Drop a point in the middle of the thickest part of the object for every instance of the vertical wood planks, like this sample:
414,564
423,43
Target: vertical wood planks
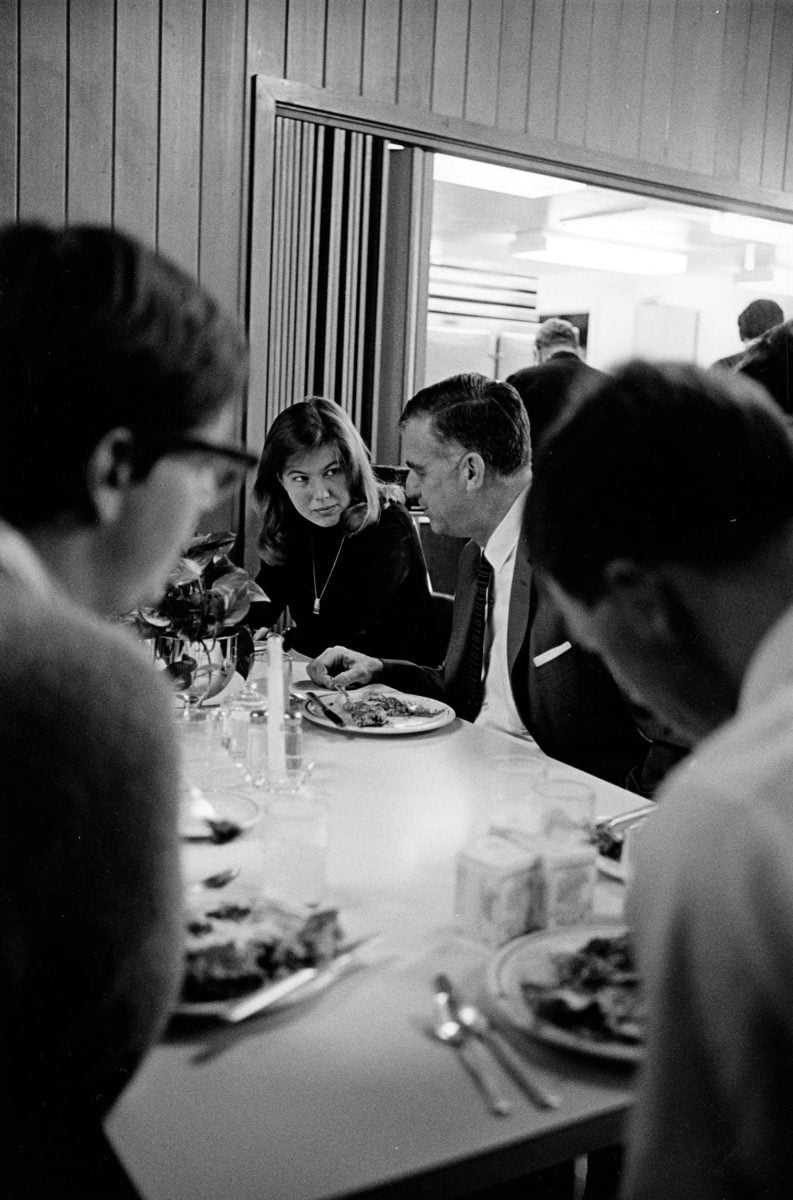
515,64
604,102
731,85
416,54
137,117
181,71
546,57
451,50
223,107
380,50
574,71
755,92
90,133
658,74
629,77
780,100
482,62
343,46
305,42
706,60
42,111
266,38
9,109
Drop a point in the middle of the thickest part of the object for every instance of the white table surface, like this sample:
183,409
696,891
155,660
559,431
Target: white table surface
347,1093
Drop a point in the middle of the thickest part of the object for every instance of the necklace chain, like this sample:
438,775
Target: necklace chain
318,596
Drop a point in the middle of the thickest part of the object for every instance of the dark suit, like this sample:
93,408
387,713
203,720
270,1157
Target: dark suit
545,389
569,704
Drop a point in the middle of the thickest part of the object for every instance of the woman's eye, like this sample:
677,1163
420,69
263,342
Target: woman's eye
331,472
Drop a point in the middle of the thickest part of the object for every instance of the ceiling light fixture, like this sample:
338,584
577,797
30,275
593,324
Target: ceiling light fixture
467,172
754,229
599,256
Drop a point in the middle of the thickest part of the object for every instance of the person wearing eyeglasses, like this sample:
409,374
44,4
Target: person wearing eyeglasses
338,550
120,377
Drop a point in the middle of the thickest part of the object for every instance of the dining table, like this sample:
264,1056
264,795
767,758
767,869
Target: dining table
346,1092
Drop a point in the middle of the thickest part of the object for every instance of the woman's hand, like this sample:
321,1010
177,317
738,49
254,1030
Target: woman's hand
338,667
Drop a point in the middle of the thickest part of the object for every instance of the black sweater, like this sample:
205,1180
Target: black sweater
377,596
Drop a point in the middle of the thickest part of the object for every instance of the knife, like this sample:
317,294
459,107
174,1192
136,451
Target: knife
327,711
271,993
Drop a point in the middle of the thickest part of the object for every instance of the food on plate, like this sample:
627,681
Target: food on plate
377,708
597,992
609,843
233,948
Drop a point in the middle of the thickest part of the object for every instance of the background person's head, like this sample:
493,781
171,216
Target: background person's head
545,392
466,441
656,506
770,362
553,336
314,468
114,364
757,317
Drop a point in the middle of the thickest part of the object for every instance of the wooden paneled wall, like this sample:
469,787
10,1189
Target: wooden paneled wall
136,111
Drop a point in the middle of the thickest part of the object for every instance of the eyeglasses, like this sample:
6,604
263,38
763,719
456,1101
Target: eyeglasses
229,464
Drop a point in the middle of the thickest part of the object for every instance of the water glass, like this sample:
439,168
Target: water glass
294,840
295,768
566,808
514,809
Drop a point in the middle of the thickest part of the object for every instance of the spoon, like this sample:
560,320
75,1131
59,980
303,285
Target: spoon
471,1018
471,1052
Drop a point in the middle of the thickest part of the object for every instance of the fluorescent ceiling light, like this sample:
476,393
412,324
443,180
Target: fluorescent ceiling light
601,256
754,229
490,178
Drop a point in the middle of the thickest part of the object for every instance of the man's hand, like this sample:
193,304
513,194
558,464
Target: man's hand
342,668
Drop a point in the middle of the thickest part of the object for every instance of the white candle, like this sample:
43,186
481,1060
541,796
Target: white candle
276,746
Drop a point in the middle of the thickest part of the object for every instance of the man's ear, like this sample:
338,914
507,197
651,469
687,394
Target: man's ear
474,467
638,594
108,474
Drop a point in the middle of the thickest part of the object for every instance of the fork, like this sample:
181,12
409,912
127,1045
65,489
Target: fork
471,1018
449,1030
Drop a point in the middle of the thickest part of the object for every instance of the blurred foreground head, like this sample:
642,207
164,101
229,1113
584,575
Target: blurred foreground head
118,375
661,512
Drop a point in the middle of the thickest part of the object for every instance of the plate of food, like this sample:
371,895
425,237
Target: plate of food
577,988
377,709
236,946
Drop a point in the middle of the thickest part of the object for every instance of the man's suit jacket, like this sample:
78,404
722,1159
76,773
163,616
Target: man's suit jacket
568,702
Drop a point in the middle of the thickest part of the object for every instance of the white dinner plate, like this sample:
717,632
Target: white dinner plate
263,912
530,959
229,806
442,714
215,1008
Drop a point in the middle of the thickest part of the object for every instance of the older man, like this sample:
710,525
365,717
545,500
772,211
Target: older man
510,664
672,556
119,376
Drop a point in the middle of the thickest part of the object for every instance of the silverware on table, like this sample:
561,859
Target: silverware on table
271,993
471,1052
470,1017
327,711
219,880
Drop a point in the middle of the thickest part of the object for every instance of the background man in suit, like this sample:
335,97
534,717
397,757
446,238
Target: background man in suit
466,442
673,558
545,389
753,322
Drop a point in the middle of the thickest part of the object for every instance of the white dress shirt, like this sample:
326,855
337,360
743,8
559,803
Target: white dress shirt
498,706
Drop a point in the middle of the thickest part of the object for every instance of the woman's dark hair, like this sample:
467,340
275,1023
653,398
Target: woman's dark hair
300,429
98,332
659,463
480,414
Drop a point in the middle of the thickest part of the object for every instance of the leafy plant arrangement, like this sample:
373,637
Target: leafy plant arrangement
206,597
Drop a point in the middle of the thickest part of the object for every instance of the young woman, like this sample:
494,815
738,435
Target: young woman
337,550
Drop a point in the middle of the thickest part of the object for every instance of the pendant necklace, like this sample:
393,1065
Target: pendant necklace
318,596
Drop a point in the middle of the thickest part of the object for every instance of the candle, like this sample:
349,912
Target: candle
276,747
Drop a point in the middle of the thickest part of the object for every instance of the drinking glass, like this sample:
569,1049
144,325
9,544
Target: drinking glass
566,808
515,810
294,840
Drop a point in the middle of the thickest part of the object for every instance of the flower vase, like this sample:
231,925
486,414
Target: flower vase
197,670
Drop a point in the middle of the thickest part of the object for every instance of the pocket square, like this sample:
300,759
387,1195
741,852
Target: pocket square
549,655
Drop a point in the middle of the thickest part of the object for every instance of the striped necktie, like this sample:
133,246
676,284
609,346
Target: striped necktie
472,688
